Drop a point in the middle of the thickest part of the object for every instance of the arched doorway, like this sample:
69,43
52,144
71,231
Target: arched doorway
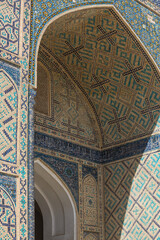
38,222
55,203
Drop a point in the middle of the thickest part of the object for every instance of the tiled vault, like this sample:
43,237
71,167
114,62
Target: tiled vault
97,123
93,55
96,118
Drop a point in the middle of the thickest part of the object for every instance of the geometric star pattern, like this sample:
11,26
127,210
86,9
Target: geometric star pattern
132,199
8,116
9,25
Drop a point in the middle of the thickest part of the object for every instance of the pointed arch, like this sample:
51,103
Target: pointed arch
107,70
57,204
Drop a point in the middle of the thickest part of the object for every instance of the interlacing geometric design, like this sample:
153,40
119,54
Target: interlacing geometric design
8,116
7,217
99,53
9,25
132,199
130,111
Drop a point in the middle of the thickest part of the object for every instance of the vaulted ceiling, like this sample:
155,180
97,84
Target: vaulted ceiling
106,88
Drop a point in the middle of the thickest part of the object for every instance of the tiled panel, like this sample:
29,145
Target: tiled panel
9,183
7,216
8,115
60,106
12,70
90,206
132,197
89,170
107,156
10,25
52,143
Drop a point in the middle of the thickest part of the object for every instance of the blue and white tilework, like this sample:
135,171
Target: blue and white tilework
86,170
8,115
132,198
143,21
7,216
10,184
10,25
106,156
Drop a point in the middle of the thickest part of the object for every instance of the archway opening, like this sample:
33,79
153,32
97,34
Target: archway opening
55,203
99,97
38,222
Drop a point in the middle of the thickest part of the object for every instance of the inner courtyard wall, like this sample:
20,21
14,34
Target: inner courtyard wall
81,169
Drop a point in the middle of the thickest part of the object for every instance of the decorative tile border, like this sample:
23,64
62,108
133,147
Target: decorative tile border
9,169
49,142
131,149
110,155
31,212
24,192
153,5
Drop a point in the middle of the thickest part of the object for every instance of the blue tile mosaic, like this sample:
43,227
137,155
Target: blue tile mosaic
8,116
8,216
10,184
65,147
10,25
131,197
133,12
105,156
131,149
31,200
12,70
86,170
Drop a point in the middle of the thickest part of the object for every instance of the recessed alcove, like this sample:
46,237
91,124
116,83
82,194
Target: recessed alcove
96,136
98,126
